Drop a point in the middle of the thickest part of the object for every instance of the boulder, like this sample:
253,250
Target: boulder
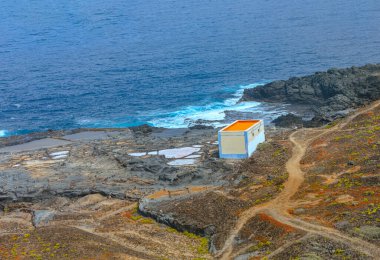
289,120
42,217
142,129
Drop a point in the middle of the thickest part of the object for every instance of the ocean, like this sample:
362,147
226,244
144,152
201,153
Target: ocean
68,64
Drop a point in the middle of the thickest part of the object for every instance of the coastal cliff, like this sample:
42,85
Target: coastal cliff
327,93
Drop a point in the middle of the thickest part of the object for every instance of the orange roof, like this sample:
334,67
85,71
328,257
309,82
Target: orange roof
241,125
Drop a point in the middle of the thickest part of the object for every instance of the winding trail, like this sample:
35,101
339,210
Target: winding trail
279,206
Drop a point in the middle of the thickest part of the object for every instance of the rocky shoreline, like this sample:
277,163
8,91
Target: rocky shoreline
330,95
128,152
108,185
123,163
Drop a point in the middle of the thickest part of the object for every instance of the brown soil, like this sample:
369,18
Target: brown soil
306,193
94,227
279,207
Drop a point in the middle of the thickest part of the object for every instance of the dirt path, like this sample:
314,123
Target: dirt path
330,233
279,206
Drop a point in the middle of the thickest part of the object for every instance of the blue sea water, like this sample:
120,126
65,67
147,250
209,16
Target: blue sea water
76,63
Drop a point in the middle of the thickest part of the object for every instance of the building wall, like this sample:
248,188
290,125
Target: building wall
232,144
255,131
252,145
238,145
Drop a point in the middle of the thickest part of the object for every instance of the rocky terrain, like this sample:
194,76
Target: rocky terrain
73,194
330,94
112,163
345,183
150,193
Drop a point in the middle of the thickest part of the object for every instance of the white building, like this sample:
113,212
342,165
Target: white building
240,139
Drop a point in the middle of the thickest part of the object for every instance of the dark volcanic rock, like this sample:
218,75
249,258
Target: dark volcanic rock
196,213
291,120
143,129
20,139
105,166
326,92
197,127
317,121
288,120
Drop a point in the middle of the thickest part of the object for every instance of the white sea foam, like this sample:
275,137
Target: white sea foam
213,112
93,122
3,133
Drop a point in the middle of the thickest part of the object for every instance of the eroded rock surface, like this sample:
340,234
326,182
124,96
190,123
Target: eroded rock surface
123,164
332,93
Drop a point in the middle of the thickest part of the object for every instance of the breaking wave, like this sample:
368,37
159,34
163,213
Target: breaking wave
211,114
3,133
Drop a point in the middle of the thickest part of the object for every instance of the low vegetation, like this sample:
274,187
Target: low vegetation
342,171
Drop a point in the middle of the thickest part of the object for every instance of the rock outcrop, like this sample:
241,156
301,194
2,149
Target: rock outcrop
328,93
291,120
288,120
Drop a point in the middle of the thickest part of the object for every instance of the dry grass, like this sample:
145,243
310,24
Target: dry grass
345,164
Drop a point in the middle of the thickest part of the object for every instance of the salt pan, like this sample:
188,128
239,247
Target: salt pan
137,154
59,153
181,162
193,156
59,157
178,152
